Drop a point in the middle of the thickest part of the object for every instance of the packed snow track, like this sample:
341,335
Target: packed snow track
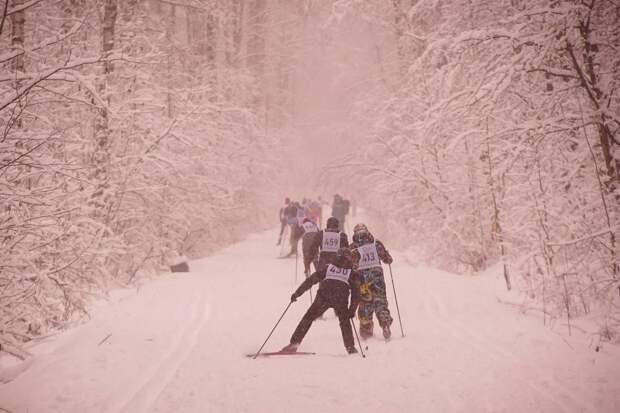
178,344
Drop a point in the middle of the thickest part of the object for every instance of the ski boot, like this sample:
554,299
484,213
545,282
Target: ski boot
386,332
351,350
291,348
365,332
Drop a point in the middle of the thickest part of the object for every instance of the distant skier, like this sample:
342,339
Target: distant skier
340,209
367,256
315,212
295,214
311,230
327,242
335,283
283,219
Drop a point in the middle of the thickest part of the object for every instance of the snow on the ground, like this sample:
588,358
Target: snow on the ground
178,344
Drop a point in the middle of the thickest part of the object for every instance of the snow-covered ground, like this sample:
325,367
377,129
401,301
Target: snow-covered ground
178,344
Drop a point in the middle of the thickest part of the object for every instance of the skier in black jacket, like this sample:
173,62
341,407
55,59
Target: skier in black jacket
340,208
311,230
335,282
283,218
326,243
294,215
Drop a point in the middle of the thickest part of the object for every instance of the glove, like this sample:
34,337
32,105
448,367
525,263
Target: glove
293,298
351,313
389,260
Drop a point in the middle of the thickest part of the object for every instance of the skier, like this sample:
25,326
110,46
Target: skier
367,256
283,219
327,242
295,214
335,282
340,208
311,230
314,212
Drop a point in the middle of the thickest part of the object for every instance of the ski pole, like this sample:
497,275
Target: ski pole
396,300
359,343
272,330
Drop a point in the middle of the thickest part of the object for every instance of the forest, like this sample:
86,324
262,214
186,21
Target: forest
475,133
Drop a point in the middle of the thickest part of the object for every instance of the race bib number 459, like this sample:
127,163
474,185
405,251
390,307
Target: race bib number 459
331,241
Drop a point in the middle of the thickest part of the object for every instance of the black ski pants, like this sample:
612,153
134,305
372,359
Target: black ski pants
325,299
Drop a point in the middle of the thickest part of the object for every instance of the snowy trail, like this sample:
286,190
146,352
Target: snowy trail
178,345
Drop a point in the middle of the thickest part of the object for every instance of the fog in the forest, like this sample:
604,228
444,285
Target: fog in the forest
336,59
474,135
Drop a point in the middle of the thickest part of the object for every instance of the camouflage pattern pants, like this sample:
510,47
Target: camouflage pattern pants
373,300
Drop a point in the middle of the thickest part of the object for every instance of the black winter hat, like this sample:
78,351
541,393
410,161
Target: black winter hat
332,223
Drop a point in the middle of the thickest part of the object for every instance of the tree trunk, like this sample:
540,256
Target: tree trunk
169,38
101,155
238,10
590,83
18,20
255,58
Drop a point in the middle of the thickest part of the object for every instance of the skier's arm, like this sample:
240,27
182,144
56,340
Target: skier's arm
355,255
384,255
344,241
308,282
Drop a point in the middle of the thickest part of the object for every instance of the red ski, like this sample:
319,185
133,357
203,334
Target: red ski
282,353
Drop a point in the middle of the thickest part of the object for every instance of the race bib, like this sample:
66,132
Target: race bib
369,257
310,227
337,273
331,241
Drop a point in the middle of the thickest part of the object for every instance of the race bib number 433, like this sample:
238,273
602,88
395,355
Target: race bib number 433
369,257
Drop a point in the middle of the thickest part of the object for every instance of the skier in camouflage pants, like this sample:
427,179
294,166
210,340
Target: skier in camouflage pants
367,256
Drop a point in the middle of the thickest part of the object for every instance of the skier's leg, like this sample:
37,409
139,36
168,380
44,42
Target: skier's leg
345,324
366,306
317,308
293,240
282,227
364,313
380,301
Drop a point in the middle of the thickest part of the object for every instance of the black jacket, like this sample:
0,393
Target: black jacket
290,212
333,289
324,256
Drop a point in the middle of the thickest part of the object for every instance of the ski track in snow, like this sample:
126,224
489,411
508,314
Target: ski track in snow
179,345
486,348
162,373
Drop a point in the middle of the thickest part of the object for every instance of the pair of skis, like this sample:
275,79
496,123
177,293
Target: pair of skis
281,353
